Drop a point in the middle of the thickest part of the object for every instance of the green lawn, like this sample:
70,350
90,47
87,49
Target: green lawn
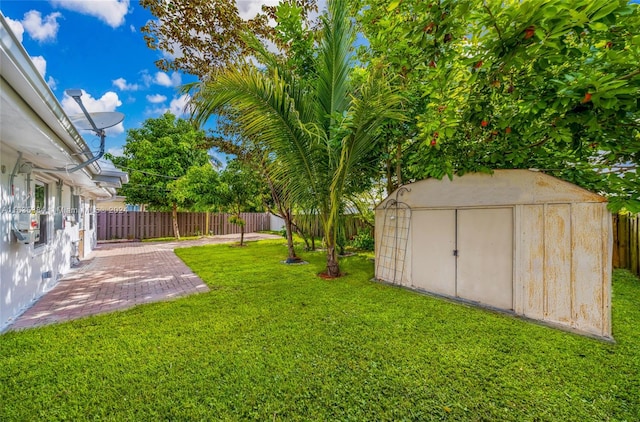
275,342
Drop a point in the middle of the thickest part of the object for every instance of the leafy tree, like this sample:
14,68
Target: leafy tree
159,152
200,36
320,132
198,189
546,84
240,190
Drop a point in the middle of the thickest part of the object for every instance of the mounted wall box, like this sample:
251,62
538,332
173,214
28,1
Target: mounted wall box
28,227
517,240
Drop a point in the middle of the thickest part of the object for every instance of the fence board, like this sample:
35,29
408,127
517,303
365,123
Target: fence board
153,224
627,242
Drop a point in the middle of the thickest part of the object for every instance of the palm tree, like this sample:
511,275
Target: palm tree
319,133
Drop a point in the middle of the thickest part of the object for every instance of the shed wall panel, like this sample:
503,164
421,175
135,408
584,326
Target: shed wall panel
433,242
557,272
587,266
531,253
606,232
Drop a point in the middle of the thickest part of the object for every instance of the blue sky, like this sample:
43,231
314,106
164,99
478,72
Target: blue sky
97,46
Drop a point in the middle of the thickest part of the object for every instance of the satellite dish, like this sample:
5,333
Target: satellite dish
102,120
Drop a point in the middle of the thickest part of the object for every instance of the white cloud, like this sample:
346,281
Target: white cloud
111,12
122,85
16,28
164,79
176,106
248,9
53,84
116,152
41,65
132,28
108,102
41,29
156,98
179,104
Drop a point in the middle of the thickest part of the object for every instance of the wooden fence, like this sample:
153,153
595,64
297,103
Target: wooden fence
310,225
148,225
626,242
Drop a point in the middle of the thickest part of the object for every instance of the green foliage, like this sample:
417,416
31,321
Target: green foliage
271,341
155,155
363,241
198,189
241,189
322,133
208,35
238,221
547,84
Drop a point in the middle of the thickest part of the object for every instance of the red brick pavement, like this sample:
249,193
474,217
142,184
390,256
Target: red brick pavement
118,276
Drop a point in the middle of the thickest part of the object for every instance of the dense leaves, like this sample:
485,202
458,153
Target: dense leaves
200,36
493,84
156,154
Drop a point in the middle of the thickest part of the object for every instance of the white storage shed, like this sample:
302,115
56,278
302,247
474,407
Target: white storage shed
516,240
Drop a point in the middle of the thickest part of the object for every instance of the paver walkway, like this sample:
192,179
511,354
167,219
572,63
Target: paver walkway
119,276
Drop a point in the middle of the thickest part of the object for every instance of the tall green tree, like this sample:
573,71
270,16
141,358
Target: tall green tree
154,155
546,84
201,36
321,134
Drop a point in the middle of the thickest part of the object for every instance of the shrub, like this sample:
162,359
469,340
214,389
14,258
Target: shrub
363,241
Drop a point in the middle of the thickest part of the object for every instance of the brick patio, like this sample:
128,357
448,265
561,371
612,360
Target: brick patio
119,276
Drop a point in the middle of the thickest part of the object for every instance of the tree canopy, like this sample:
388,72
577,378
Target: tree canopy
201,36
154,155
515,84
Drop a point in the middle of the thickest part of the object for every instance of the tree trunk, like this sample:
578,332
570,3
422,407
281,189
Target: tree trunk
398,164
285,213
242,235
174,218
291,253
333,269
330,235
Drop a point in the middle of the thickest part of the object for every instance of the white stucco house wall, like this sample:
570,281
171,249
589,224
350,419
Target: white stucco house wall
47,218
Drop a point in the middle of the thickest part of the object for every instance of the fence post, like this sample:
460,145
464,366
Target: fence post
615,261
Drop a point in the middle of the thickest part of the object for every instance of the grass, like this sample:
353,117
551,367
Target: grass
274,342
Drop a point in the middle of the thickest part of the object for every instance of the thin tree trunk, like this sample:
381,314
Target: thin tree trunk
291,258
241,234
330,228
333,268
390,186
398,163
286,216
174,218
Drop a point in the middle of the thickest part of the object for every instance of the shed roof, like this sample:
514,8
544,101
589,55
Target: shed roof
503,187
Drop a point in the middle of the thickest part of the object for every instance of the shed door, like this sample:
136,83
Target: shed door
485,256
464,253
433,266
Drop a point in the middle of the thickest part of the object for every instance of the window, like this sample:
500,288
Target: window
42,216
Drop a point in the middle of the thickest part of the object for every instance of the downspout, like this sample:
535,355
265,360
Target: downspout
19,236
